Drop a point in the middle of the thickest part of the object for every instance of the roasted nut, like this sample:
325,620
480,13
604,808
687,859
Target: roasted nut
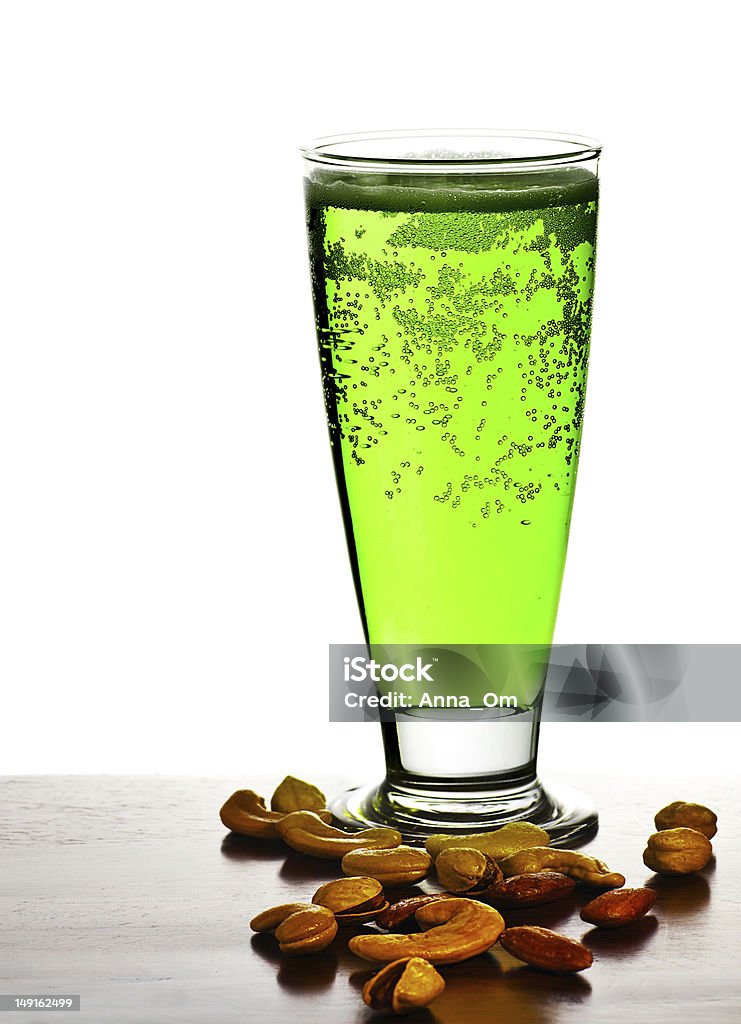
296,795
687,815
518,835
467,871
547,950
403,911
458,929
677,851
401,866
245,812
268,920
583,869
306,832
619,907
300,928
352,900
403,986
531,890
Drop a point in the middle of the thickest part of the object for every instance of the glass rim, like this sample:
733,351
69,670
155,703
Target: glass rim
549,149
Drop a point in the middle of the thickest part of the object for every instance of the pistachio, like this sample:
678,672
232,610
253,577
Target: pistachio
403,986
296,795
576,865
245,812
352,900
472,872
401,866
300,928
306,832
457,929
518,835
687,815
677,851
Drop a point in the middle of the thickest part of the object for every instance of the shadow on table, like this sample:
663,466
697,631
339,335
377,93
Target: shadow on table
237,847
680,895
494,986
606,941
297,973
297,867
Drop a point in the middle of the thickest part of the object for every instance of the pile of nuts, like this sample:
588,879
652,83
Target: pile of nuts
481,874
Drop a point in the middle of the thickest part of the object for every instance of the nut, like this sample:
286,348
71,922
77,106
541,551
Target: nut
576,865
245,812
403,986
401,866
467,871
352,900
300,928
547,950
531,890
296,795
458,929
619,907
306,832
403,911
677,851
687,815
518,835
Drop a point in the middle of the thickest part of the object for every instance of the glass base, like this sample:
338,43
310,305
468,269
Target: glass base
569,817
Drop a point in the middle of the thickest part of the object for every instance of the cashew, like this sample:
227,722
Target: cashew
458,930
576,865
300,928
306,832
402,865
245,812
518,835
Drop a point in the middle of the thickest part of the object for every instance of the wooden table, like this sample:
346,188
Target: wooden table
128,891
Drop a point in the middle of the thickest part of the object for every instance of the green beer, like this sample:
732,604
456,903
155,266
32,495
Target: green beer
453,317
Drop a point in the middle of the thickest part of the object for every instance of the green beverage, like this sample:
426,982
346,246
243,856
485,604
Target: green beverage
453,316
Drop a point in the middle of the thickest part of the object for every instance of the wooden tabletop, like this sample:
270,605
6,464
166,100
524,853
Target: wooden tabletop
128,891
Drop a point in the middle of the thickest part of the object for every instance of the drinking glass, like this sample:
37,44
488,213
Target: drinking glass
452,276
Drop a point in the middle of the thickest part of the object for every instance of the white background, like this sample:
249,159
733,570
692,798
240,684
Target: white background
171,557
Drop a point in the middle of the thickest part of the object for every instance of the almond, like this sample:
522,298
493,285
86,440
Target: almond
531,890
547,950
618,907
403,911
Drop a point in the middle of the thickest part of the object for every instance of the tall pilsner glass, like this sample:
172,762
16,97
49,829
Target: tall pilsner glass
452,276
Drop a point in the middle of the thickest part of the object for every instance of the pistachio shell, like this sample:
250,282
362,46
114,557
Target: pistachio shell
300,928
462,870
352,900
296,795
403,986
